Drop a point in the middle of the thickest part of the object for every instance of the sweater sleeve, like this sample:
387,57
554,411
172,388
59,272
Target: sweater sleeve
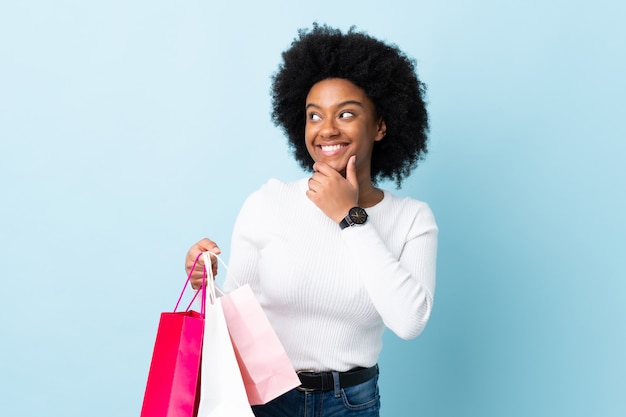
244,250
401,287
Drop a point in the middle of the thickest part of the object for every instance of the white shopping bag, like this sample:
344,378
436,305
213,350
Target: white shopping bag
222,392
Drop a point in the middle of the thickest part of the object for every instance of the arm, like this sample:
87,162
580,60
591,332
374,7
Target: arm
400,280
244,252
401,285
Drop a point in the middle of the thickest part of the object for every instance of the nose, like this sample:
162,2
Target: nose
328,128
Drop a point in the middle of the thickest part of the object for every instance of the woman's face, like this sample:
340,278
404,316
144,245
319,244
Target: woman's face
341,121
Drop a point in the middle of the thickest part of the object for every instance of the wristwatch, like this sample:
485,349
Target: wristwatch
356,215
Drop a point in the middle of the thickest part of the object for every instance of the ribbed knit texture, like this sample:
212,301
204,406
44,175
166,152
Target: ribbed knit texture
329,293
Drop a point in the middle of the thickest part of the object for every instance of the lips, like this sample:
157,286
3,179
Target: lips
330,150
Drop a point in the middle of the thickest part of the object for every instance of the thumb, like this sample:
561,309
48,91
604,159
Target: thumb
351,172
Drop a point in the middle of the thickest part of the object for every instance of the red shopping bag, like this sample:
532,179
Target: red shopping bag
173,379
266,370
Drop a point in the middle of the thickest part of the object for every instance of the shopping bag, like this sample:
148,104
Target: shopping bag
172,386
222,393
266,370
265,367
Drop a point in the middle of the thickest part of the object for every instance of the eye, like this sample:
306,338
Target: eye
346,114
314,117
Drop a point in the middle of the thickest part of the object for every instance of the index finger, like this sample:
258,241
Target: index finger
207,245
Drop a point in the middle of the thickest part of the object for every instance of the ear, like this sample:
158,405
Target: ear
382,130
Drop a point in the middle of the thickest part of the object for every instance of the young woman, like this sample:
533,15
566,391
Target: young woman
332,258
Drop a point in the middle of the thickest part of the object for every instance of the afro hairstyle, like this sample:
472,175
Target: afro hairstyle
385,73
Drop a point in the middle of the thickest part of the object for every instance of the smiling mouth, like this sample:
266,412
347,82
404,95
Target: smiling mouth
332,148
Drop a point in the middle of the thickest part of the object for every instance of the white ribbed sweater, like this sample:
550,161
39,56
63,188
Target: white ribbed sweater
329,293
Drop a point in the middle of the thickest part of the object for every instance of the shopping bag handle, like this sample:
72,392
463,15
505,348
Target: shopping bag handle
209,287
202,288
218,289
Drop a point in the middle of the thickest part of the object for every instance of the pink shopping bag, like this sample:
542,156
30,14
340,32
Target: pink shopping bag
173,379
266,370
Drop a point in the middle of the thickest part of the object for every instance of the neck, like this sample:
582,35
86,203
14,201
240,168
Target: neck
369,195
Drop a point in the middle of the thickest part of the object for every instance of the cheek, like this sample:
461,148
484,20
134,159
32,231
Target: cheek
309,135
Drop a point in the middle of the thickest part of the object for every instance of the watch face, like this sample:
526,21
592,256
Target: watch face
358,215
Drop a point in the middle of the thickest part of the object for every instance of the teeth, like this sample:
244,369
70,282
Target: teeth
331,148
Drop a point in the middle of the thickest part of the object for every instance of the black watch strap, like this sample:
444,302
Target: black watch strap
345,222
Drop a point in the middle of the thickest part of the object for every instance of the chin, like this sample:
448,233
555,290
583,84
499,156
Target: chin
339,167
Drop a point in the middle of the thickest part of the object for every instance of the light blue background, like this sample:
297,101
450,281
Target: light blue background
129,130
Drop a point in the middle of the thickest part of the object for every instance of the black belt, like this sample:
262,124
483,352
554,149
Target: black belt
323,381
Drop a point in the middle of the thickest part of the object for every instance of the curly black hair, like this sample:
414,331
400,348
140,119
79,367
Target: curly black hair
385,73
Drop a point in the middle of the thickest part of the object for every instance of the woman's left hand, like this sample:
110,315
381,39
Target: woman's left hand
333,193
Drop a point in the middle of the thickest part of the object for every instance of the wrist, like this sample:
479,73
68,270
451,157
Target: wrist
338,219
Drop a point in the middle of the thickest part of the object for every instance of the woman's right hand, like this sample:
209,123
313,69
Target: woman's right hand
204,245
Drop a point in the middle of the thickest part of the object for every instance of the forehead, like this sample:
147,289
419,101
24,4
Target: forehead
336,90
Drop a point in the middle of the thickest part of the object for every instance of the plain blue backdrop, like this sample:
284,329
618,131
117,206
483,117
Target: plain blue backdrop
129,130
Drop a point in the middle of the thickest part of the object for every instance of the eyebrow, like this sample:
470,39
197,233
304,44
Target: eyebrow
342,104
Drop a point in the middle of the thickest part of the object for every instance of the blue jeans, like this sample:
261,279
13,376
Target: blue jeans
360,400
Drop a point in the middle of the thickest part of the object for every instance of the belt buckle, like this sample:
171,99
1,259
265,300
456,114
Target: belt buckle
300,387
